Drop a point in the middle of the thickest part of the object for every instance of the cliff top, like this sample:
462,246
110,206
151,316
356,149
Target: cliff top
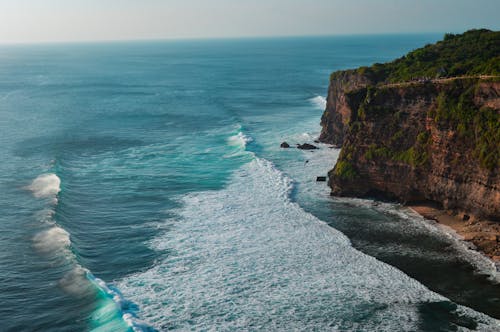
473,53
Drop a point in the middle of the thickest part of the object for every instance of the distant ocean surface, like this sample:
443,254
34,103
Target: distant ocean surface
143,189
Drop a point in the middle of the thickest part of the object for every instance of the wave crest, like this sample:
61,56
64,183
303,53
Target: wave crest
319,102
239,140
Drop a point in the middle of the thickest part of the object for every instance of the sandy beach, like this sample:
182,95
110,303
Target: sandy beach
484,234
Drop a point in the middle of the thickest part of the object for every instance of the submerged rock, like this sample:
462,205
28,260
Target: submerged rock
284,145
306,146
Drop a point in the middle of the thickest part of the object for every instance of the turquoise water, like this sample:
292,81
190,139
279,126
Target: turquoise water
143,188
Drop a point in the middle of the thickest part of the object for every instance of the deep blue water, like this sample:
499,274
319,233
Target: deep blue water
143,188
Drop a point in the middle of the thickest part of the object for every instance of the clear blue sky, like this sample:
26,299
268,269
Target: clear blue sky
78,20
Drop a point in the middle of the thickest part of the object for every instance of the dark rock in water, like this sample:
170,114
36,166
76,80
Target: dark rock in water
306,146
321,179
284,145
316,141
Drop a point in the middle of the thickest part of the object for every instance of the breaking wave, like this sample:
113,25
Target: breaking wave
114,312
238,143
319,102
246,256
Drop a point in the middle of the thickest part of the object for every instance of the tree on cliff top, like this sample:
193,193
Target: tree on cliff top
475,52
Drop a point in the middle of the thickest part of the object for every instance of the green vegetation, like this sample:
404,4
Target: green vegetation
375,151
455,106
487,134
471,54
397,137
475,52
477,128
416,155
480,127
345,170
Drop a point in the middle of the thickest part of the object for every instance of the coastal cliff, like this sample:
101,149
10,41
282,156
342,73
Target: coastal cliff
421,140
337,116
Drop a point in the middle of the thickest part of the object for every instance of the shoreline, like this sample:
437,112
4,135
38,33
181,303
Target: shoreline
484,235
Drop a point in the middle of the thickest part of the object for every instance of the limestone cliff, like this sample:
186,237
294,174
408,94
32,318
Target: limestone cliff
424,127
434,140
337,115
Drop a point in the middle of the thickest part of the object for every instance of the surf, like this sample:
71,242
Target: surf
247,255
114,313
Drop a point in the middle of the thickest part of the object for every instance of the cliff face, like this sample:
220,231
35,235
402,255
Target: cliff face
421,141
338,114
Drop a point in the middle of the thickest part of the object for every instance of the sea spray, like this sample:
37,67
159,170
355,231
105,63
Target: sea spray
55,243
45,186
238,143
319,102
54,240
76,283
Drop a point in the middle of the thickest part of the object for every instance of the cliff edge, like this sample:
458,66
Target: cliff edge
424,128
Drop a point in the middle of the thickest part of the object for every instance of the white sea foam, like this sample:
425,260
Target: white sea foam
114,311
240,140
46,186
54,241
319,102
246,256
324,159
239,143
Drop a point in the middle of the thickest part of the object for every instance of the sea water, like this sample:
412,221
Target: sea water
143,189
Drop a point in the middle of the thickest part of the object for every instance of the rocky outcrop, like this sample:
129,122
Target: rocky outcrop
306,146
417,141
337,115
284,145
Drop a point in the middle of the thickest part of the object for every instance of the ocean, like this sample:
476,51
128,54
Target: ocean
144,189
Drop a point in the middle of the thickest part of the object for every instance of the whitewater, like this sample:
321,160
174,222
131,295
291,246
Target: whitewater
248,258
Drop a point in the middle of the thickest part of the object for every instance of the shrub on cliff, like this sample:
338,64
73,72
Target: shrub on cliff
477,126
345,170
475,52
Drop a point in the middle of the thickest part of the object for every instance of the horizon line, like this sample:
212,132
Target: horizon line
245,37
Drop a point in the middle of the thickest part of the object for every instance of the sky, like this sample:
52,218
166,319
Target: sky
26,21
